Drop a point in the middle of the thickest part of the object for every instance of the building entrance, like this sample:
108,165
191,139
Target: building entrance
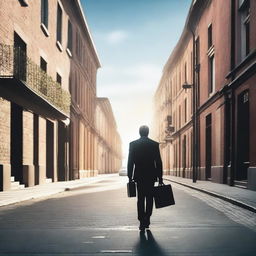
243,137
184,156
16,142
49,149
208,146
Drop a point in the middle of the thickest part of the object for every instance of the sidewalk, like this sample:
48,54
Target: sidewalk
17,196
242,197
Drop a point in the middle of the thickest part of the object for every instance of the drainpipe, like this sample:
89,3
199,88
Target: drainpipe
232,101
194,119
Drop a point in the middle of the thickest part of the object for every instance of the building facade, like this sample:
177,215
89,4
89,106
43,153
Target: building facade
84,63
109,152
35,99
208,80
48,68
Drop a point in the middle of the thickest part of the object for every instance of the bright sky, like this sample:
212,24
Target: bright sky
134,39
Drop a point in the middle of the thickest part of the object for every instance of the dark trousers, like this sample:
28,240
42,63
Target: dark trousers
145,195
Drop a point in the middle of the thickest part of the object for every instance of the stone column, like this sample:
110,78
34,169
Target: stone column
81,149
5,151
28,146
42,150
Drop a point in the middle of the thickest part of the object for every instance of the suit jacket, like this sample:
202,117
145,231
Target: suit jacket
144,160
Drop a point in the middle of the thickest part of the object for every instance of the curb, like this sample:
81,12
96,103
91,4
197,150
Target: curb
225,198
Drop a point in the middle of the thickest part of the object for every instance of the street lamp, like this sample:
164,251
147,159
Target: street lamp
190,86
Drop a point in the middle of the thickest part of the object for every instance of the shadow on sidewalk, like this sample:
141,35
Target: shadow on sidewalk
147,245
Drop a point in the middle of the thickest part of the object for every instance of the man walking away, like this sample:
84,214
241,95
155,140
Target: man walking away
144,167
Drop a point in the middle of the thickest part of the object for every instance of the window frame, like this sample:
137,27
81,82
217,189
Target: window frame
59,35
70,39
212,75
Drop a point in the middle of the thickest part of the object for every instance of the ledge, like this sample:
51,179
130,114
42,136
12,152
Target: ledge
59,46
69,53
45,30
15,90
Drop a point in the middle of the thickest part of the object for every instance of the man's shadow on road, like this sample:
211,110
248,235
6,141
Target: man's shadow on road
147,245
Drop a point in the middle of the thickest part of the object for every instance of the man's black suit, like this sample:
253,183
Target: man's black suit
144,167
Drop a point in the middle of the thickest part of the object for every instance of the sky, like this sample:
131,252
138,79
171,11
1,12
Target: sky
134,39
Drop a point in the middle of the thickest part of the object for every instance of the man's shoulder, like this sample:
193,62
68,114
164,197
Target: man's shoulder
153,142
133,142
148,140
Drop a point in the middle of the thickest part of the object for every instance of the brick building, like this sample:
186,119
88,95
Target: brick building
207,83
109,152
48,67
84,63
34,83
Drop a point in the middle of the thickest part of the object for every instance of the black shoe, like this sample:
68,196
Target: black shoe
142,228
146,223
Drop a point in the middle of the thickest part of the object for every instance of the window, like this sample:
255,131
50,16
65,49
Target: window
185,110
43,64
211,74
70,36
59,24
20,57
23,3
43,76
197,54
44,13
179,117
245,28
210,36
58,78
185,72
79,46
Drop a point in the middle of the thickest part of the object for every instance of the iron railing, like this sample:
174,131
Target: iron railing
15,63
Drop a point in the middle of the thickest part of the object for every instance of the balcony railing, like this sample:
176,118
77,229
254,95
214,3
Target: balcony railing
15,64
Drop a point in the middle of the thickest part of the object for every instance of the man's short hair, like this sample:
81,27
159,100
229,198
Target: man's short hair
144,130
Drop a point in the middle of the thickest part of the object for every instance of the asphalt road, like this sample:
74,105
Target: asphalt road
101,220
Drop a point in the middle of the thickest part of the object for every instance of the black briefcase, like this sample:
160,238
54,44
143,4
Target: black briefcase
131,189
163,196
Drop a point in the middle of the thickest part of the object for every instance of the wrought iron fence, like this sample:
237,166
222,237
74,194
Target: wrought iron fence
15,63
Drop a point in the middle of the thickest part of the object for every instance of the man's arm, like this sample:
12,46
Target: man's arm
159,165
130,162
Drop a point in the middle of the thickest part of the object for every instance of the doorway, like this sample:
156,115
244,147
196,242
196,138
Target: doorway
49,149
20,58
184,156
16,142
63,172
243,137
208,146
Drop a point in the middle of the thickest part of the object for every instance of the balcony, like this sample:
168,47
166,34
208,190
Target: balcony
25,83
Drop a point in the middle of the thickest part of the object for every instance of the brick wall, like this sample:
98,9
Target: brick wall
4,131
27,138
25,21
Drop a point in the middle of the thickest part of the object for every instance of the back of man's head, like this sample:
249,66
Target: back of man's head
144,130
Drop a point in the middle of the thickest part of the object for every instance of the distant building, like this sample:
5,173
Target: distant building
109,152
207,94
84,63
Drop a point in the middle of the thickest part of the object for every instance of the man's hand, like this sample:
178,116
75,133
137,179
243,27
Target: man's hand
160,182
